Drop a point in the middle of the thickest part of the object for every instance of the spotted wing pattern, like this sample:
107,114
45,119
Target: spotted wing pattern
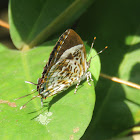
66,72
66,65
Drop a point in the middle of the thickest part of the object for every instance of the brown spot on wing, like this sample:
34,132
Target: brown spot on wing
70,56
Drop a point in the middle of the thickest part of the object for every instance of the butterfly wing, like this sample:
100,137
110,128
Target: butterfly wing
70,67
66,41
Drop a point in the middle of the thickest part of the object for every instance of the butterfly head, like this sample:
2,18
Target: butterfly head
40,88
40,80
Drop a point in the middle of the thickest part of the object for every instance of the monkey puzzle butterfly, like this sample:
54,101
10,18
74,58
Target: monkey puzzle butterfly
67,65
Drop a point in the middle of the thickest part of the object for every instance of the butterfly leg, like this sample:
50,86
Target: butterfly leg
41,102
88,74
77,86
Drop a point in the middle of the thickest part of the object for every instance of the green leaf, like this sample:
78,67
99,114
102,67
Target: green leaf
32,22
64,116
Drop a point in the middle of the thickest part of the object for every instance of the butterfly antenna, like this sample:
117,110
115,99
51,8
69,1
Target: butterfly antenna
27,102
26,95
30,83
96,55
92,46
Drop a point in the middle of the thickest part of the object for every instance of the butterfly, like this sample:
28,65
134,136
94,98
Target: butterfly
67,66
